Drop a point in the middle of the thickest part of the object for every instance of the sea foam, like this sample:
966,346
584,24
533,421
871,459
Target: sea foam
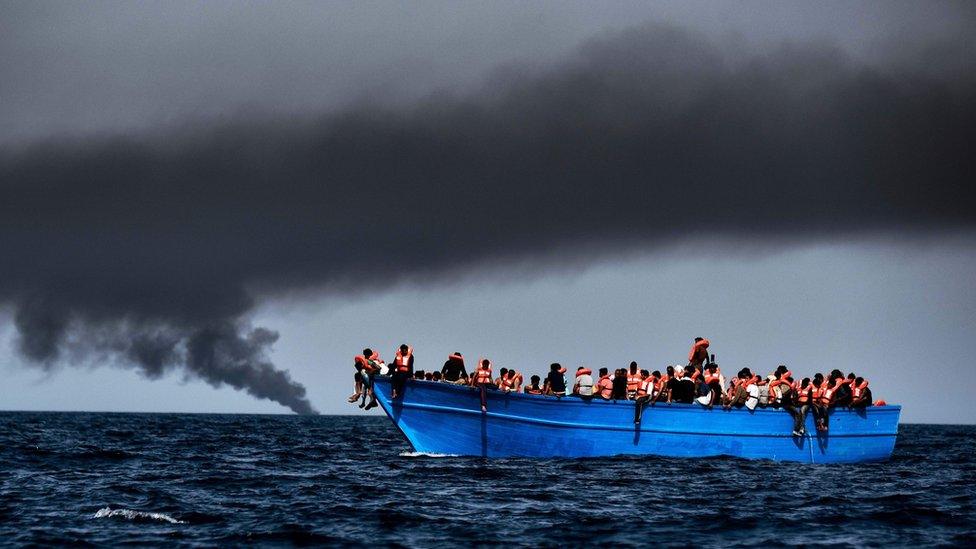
129,514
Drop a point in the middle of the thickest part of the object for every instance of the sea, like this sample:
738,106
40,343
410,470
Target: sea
176,480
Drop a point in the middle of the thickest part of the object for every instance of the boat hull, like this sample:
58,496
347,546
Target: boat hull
443,418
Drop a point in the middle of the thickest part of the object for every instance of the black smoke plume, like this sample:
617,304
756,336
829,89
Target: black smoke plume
152,249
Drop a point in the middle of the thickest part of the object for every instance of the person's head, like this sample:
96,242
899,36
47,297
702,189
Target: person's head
603,372
502,372
670,371
554,367
853,377
689,370
835,374
633,367
437,376
367,352
781,369
858,380
712,367
534,380
419,374
404,348
429,376
458,354
511,374
644,373
805,382
679,372
486,364
697,339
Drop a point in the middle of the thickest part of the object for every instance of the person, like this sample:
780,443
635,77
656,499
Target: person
454,368
633,381
419,375
402,370
713,383
682,388
699,353
481,379
861,394
500,383
802,396
583,387
464,379
369,365
514,380
645,391
619,384
660,385
438,376
555,380
533,387
738,390
844,393
605,385
819,402
779,387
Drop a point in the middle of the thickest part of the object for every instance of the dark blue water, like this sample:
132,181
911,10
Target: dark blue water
204,480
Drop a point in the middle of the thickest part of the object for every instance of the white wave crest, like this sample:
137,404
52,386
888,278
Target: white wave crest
129,514
426,454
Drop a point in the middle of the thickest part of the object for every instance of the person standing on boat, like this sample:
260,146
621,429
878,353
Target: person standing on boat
481,380
402,370
453,369
698,355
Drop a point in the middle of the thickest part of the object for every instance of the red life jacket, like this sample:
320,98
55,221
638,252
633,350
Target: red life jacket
402,361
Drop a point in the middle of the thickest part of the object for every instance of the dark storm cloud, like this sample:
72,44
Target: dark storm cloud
159,242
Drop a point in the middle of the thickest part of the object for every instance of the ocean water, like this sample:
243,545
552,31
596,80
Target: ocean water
206,480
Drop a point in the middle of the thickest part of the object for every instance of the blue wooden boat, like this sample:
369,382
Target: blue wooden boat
442,418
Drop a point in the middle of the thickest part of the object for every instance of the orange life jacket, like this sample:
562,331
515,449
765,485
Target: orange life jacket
880,403
482,375
803,394
663,382
366,362
633,382
584,372
530,390
699,352
606,389
857,391
402,361
713,378
647,385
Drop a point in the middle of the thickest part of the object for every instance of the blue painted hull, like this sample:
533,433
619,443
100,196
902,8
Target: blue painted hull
446,419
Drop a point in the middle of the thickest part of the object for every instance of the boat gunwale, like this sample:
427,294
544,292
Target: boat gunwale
577,400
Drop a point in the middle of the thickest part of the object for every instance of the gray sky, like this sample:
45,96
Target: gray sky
831,140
